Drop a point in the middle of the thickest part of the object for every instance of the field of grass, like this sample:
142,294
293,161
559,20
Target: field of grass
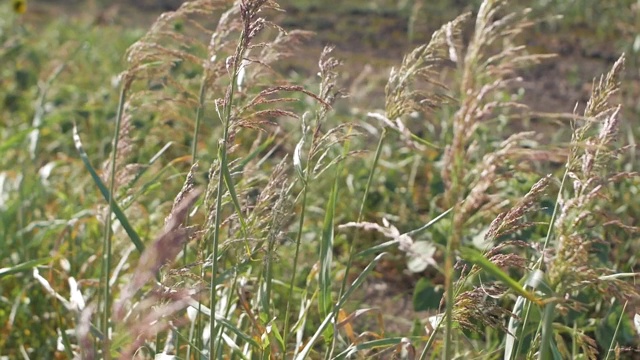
220,184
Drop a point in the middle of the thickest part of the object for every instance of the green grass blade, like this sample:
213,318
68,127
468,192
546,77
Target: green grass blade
225,323
359,280
326,250
352,246
535,282
376,249
477,258
547,332
430,223
252,155
14,140
228,181
373,344
66,343
25,266
615,333
298,240
243,336
327,320
303,177
133,235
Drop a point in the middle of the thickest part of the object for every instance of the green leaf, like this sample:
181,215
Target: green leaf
426,296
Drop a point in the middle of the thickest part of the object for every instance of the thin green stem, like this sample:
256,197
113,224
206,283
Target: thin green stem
352,246
194,157
553,218
440,321
538,264
615,333
219,328
106,243
222,160
332,202
305,189
295,259
367,187
448,272
432,338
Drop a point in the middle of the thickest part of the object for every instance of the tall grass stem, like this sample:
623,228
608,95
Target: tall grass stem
106,243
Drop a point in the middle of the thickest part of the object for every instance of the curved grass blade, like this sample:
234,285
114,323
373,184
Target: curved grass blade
373,344
25,266
391,243
375,249
145,168
326,244
534,282
477,258
252,155
224,322
430,223
228,181
133,235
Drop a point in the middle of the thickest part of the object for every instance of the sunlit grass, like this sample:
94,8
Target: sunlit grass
165,194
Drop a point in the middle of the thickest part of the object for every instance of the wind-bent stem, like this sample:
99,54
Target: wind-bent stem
106,242
222,159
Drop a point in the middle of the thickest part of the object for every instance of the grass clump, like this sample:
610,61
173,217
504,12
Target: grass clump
230,226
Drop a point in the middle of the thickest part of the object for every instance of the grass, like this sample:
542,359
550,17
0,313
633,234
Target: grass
196,202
